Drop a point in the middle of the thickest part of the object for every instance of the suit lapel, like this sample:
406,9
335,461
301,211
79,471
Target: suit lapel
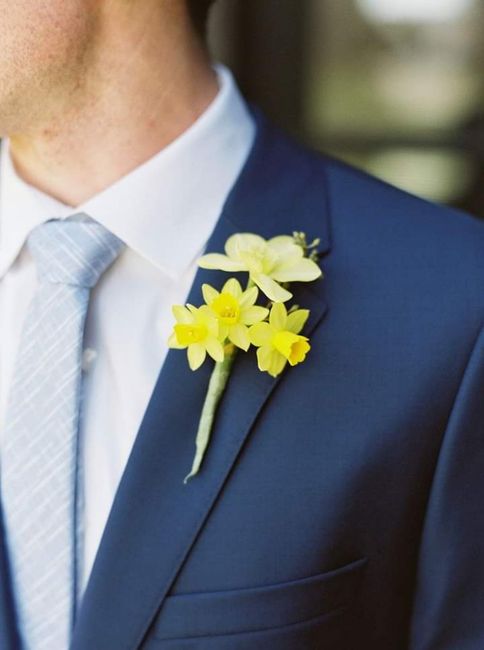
8,633
155,517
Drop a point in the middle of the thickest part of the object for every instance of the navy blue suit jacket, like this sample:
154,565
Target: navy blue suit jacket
339,506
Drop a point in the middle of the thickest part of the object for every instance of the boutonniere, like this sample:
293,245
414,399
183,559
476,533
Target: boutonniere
230,320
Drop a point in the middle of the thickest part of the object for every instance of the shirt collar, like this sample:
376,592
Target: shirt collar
167,207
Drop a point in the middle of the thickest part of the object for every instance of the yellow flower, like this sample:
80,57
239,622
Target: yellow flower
268,262
279,341
197,330
234,310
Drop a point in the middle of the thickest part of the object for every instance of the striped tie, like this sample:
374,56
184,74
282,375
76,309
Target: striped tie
39,468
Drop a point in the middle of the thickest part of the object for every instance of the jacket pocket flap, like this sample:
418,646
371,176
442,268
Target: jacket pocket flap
256,608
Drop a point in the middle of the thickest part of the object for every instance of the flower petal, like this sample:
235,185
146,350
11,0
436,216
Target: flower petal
220,262
196,355
288,261
209,293
215,348
264,356
261,334
193,310
269,360
206,316
244,241
283,244
252,315
182,314
249,297
296,320
239,335
173,342
304,270
233,287
223,331
278,363
270,288
278,316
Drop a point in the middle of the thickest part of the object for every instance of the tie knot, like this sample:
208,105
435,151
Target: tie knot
73,252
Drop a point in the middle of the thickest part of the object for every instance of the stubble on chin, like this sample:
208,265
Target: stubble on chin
40,83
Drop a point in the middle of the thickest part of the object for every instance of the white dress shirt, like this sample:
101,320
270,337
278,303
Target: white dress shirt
164,210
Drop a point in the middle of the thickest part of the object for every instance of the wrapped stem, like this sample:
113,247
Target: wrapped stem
216,387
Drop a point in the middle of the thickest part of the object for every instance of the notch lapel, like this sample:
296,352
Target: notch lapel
8,633
155,517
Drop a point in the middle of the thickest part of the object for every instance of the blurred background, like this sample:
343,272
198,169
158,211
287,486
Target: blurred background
395,87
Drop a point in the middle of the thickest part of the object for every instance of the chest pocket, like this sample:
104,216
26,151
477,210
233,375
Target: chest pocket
205,615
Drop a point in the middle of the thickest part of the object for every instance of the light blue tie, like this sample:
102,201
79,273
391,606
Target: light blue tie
39,466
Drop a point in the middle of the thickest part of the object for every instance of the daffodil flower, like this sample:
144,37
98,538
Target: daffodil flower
268,262
279,341
197,330
230,319
234,310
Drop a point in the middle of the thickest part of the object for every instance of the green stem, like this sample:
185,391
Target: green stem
216,387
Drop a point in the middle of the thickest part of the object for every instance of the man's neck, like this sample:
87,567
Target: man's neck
137,98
